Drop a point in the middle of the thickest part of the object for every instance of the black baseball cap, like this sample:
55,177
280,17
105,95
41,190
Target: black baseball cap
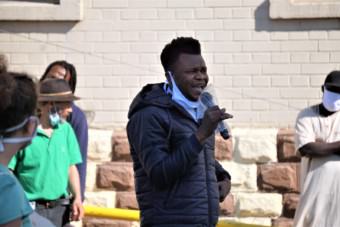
332,81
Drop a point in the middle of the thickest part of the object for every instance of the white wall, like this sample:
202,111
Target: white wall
264,70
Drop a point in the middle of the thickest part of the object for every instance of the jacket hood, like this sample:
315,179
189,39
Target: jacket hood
151,94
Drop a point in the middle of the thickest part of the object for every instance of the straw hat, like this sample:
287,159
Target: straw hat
55,90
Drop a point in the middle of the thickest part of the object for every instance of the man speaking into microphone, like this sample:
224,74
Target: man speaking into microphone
178,181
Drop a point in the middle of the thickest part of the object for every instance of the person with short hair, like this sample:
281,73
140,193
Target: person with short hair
317,133
77,119
46,168
178,181
18,127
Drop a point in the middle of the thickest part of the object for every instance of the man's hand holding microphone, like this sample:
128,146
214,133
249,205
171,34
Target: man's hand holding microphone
212,117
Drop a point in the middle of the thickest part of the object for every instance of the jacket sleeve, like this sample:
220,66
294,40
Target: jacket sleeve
221,174
148,132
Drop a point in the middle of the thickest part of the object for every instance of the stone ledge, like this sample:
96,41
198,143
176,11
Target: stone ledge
66,10
296,9
258,204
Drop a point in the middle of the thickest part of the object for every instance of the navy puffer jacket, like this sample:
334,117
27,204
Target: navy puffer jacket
175,176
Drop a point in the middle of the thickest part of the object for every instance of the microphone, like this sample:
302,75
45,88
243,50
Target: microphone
208,100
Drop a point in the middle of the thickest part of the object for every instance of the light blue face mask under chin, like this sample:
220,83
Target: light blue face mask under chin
195,108
17,140
54,117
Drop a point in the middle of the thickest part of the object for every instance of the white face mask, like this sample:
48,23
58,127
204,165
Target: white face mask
331,100
16,140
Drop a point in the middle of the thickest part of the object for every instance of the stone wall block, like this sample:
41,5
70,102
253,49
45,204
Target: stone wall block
223,148
258,204
91,176
101,199
286,147
290,202
120,148
117,176
127,200
99,147
255,145
279,177
227,207
243,176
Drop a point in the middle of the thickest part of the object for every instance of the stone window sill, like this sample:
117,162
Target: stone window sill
66,10
296,9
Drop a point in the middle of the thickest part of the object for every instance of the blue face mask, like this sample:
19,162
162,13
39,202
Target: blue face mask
54,117
187,104
17,140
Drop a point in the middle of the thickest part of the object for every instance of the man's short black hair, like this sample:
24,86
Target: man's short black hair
180,45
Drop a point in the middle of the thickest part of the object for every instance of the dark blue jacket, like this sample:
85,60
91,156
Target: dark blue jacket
77,119
175,176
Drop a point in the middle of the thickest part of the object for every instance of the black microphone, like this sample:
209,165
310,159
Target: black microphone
208,100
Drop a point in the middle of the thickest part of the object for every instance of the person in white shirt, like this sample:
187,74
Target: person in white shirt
317,134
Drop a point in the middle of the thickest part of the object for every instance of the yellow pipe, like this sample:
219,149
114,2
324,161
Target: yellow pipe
112,213
227,223
133,215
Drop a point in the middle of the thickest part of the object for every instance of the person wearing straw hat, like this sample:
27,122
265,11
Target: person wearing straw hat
77,119
46,168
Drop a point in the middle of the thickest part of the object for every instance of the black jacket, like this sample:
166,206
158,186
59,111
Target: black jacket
175,176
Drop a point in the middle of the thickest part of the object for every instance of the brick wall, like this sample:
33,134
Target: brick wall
264,70
261,161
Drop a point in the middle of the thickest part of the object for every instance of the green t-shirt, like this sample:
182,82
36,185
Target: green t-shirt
13,202
42,168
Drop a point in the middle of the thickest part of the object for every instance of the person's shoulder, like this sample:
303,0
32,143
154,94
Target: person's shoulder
6,180
8,184
151,111
77,112
64,126
148,116
309,111
77,109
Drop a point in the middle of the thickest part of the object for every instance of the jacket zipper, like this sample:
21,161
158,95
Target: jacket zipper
207,180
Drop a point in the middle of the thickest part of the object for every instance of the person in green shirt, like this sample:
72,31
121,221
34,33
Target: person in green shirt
17,128
46,168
